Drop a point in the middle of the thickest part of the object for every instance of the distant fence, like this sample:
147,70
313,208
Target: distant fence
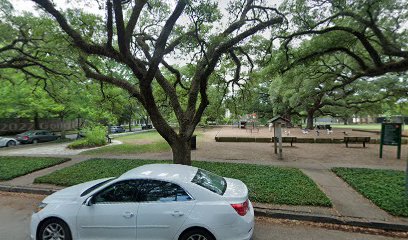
17,125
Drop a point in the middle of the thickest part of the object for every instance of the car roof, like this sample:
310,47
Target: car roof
169,172
33,131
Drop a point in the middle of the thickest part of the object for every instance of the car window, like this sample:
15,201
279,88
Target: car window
161,191
125,191
95,187
210,181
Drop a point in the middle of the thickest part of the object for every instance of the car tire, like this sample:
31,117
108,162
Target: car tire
35,141
11,144
54,228
197,234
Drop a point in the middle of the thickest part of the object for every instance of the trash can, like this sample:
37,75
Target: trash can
193,143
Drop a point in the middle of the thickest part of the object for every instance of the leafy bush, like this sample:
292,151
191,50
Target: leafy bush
94,136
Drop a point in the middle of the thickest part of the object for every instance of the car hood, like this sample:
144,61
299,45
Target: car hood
3,139
236,192
71,194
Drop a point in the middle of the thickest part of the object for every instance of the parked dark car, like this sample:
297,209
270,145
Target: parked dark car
116,129
145,127
80,134
36,136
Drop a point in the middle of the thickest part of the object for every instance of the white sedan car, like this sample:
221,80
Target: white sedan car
7,142
156,201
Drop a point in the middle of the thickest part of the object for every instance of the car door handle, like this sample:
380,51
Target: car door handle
128,215
177,214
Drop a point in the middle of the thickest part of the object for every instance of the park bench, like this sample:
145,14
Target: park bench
363,140
290,140
109,138
323,127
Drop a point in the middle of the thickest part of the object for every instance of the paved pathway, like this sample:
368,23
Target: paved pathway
55,149
346,201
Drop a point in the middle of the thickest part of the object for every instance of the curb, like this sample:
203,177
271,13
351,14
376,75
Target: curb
30,190
355,222
263,212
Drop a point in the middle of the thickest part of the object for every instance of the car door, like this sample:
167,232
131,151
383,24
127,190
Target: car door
39,136
163,208
48,136
112,213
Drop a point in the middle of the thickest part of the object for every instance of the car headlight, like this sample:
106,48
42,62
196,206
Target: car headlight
40,206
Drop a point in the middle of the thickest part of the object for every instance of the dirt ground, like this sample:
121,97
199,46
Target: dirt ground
301,155
305,155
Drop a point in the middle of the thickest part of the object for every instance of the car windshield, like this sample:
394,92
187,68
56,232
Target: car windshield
210,181
95,187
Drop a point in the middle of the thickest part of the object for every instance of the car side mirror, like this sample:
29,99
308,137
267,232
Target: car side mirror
88,202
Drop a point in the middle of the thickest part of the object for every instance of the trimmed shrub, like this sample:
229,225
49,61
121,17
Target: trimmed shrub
94,136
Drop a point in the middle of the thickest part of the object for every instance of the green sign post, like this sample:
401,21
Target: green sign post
391,135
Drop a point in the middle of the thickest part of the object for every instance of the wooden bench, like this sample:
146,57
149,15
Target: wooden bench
290,140
109,138
363,140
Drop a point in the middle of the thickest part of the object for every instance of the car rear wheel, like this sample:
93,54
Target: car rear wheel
11,144
54,229
197,234
35,141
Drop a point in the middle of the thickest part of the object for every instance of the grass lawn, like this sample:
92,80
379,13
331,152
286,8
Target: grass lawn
134,143
267,184
385,188
125,148
12,167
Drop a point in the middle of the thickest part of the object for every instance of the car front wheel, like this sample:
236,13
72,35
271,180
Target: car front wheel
54,229
197,234
11,144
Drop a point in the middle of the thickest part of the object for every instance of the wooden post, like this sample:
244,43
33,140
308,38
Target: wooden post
280,140
275,143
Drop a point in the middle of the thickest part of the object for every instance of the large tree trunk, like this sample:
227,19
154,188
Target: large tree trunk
181,152
36,122
309,121
63,132
345,120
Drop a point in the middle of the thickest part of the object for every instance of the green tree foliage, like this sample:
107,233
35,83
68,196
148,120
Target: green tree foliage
142,38
339,58
40,75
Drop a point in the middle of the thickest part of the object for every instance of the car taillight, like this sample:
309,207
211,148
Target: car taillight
25,138
241,208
